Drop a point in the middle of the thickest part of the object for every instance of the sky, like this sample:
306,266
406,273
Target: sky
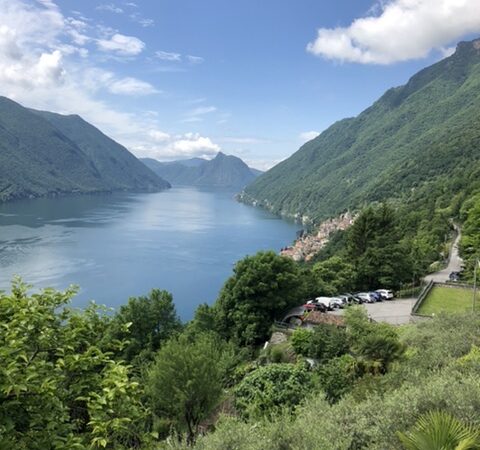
174,79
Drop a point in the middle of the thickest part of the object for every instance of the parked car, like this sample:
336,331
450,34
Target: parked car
351,299
376,296
366,297
454,276
314,305
339,302
385,293
327,302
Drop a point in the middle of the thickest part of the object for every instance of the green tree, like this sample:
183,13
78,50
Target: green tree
185,383
375,345
261,289
337,377
335,275
376,251
150,319
439,430
271,389
58,377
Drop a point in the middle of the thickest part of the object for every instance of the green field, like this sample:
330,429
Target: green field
448,299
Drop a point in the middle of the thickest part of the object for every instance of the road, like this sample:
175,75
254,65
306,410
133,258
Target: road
454,263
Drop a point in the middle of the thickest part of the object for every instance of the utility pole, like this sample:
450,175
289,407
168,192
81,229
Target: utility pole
474,284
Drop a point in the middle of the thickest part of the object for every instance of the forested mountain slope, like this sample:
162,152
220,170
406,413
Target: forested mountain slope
421,136
45,153
223,171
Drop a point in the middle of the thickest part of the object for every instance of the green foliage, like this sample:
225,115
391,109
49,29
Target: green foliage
375,345
146,322
261,288
300,340
186,382
337,377
439,430
271,389
60,387
322,343
334,275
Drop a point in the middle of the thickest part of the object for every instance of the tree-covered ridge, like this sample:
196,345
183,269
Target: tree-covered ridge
425,133
45,154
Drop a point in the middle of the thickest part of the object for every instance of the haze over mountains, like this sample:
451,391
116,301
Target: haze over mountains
44,153
223,171
424,135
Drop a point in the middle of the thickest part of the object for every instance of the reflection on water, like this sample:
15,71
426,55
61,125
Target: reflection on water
115,246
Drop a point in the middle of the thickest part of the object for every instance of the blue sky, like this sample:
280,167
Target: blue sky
179,78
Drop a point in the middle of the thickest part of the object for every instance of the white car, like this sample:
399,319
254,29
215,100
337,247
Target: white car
366,297
326,301
386,294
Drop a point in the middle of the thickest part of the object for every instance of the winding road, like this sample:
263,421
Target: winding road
454,263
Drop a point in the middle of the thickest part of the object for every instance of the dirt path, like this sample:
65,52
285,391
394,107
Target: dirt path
454,263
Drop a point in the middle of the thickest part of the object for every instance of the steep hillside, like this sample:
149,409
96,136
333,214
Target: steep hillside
421,135
224,171
42,157
118,167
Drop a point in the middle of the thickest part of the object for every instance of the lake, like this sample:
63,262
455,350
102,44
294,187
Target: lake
184,240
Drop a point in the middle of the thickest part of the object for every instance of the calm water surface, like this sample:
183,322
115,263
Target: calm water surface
185,240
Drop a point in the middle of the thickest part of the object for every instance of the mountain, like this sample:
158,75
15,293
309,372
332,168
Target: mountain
223,171
420,137
44,153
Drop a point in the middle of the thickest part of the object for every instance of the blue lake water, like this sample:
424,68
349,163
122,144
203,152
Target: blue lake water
184,240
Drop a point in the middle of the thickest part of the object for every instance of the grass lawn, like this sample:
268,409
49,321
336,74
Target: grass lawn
448,299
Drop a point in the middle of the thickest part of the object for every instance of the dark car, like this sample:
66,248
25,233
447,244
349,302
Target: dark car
376,296
454,276
351,299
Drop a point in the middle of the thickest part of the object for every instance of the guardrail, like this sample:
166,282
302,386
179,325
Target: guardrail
422,296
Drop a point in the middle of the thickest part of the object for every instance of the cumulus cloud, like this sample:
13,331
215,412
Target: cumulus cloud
308,135
400,31
163,146
121,45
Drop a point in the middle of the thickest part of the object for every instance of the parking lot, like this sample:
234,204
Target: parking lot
395,312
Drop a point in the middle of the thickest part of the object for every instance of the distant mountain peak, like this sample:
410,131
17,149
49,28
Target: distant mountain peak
223,171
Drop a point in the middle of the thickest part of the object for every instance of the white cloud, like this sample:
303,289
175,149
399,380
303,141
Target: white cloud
43,66
159,136
308,135
162,146
402,30
194,59
109,7
168,56
132,86
202,110
121,44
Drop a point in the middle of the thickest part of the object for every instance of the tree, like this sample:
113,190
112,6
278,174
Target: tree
186,382
151,320
261,289
337,377
270,389
59,384
439,430
335,275
375,249
375,345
